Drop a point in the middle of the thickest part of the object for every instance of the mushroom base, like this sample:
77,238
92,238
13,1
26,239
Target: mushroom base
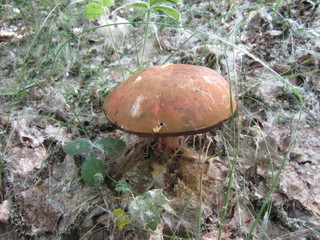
169,143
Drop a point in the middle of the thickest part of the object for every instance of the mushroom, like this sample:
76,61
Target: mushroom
168,101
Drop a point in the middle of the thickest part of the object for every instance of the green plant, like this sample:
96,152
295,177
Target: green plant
94,10
153,6
92,170
143,207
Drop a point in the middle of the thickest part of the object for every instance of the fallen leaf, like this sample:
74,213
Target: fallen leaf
39,210
121,218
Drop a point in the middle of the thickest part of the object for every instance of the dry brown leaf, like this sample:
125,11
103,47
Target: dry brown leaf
39,210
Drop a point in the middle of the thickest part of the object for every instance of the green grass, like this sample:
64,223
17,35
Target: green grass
53,56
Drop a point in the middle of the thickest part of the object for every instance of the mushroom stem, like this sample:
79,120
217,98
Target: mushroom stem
170,143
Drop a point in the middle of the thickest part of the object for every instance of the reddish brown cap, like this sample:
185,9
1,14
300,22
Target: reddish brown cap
170,100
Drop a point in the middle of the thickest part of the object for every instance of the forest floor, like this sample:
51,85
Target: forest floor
255,177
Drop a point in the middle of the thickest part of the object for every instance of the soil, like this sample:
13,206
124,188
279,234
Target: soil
254,177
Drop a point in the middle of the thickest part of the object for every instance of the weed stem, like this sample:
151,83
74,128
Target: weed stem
113,42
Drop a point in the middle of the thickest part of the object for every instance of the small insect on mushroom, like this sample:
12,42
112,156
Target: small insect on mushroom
168,101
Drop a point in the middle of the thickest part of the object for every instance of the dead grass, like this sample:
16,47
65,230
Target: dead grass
56,67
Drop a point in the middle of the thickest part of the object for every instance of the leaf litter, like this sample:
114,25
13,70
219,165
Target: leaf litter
42,188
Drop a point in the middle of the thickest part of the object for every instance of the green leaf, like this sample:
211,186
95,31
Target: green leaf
152,2
138,5
94,1
110,146
77,146
102,2
139,13
93,10
107,3
156,197
170,11
92,170
122,186
148,213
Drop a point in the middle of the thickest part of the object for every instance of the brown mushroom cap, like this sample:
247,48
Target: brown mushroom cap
170,100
